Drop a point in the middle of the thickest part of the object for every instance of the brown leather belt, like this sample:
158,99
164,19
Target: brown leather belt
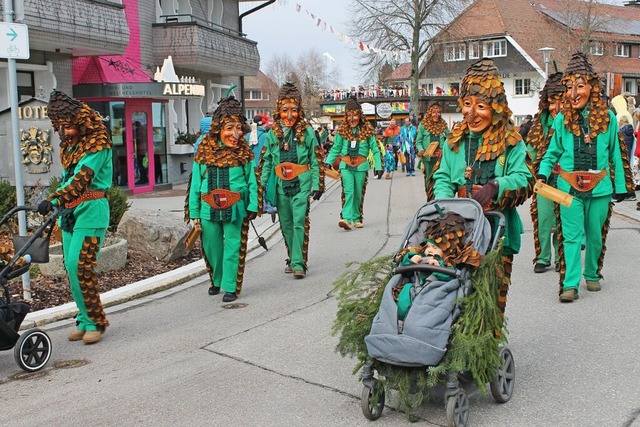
462,192
581,180
354,161
87,195
221,199
287,171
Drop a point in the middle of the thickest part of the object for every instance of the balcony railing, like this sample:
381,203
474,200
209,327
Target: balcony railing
204,46
78,27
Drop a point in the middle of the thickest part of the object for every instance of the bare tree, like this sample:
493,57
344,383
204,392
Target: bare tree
310,73
278,68
400,25
587,23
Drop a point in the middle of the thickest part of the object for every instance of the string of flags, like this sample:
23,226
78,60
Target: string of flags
344,38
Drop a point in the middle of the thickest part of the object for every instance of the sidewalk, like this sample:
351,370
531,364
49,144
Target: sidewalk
169,203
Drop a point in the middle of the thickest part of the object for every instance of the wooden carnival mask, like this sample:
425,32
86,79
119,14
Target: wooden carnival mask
477,113
289,112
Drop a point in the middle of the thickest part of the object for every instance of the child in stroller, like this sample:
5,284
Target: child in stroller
431,253
435,319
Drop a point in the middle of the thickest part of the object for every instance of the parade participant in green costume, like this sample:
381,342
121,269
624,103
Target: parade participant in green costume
354,141
85,154
587,148
542,209
291,169
486,159
432,134
223,197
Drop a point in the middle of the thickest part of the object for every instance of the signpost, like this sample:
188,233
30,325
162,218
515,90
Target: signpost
15,41
14,44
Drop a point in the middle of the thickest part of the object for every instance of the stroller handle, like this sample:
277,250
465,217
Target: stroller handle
425,268
12,211
47,223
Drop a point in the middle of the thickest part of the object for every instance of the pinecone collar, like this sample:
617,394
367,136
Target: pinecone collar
494,140
365,132
213,153
434,127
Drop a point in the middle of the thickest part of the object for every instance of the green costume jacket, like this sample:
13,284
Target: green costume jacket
511,172
341,147
242,179
90,213
309,181
561,150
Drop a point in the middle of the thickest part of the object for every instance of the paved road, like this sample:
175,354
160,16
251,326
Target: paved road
180,358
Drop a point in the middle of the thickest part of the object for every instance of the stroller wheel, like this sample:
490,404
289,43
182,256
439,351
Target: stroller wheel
33,350
458,410
503,383
372,401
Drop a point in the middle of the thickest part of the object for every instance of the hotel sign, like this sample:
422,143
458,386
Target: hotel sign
139,90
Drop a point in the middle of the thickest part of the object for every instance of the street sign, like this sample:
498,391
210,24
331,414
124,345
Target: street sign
14,41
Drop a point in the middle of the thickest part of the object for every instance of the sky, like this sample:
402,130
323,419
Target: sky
278,28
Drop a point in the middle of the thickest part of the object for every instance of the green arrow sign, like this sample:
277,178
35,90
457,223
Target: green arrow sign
12,34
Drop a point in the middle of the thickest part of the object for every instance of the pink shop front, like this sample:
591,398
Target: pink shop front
136,115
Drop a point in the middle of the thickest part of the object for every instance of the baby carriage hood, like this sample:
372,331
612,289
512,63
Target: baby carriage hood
425,332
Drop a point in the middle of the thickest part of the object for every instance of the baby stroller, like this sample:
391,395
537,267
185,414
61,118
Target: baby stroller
422,338
32,349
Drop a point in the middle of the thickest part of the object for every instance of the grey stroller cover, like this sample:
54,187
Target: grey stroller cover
422,339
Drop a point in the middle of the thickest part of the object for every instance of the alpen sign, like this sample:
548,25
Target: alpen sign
183,89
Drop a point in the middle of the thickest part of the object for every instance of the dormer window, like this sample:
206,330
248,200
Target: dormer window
454,52
474,50
494,48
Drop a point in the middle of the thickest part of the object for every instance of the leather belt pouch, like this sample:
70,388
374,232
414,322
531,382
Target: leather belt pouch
354,161
221,199
287,171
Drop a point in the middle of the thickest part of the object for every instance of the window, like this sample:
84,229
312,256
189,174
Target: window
631,85
522,86
495,48
253,95
474,50
449,53
26,87
596,48
623,50
454,52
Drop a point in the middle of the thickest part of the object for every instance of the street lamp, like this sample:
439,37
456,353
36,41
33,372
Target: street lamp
546,56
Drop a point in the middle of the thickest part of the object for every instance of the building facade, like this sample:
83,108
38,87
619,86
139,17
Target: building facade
151,68
260,95
515,33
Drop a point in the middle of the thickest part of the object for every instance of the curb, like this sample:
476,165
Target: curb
146,286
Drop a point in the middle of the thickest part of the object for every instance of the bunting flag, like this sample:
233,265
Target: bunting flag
344,38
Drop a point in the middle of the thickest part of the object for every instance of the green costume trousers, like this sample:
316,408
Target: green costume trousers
293,212
584,216
353,188
546,226
221,242
72,244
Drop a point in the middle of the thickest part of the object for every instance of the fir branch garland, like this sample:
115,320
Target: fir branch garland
475,339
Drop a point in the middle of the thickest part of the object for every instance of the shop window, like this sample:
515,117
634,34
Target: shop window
160,142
